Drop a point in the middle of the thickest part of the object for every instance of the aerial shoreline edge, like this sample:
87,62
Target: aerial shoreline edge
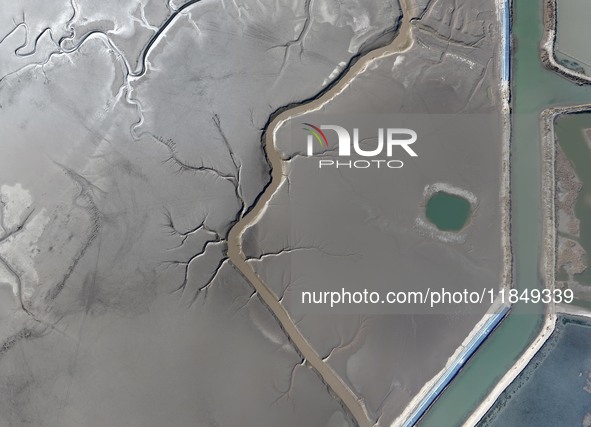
482,329
485,327
423,401
181,243
548,262
547,127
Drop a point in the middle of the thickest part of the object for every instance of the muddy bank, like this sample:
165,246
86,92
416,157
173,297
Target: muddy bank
547,47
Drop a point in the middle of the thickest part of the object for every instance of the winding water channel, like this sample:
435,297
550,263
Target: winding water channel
337,386
533,89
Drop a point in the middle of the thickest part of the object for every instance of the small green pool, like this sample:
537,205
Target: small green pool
447,211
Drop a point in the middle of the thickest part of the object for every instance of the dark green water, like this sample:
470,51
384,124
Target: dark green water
569,130
533,89
550,392
447,211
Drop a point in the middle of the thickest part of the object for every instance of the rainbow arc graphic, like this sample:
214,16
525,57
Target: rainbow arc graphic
315,133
